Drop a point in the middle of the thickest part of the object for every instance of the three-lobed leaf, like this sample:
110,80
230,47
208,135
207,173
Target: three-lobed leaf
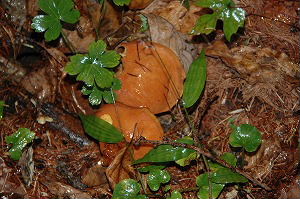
233,18
100,129
246,136
127,189
19,140
56,10
195,80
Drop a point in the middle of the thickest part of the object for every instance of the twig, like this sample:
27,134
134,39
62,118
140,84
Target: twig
208,155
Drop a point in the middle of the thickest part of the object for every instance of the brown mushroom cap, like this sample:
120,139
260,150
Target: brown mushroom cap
133,122
152,76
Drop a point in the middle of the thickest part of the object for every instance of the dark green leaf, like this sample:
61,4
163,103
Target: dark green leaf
77,64
51,25
127,189
175,195
195,81
86,90
151,168
97,48
165,153
205,24
56,10
117,84
109,59
187,160
109,96
19,140
203,184
246,136
95,96
122,2
225,10
225,175
100,129
229,158
157,177
2,103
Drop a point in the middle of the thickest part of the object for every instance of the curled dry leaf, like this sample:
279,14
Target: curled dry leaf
269,74
120,168
152,76
164,33
133,122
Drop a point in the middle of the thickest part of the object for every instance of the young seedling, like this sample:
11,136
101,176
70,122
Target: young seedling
95,70
19,140
224,10
56,11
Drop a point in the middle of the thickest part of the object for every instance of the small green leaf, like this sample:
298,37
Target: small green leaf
56,10
86,90
127,189
157,177
110,59
246,136
151,168
165,153
195,81
52,26
205,24
100,129
145,24
95,96
225,10
187,160
229,158
175,195
97,48
203,184
109,96
225,175
19,139
122,2
2,103
117,84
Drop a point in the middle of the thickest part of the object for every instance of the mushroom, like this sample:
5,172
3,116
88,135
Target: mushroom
152,76
133,123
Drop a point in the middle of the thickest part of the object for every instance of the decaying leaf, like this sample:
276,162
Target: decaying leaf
163,32
120,168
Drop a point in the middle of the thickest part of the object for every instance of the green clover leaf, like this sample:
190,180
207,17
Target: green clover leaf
127,189
95,70
56,10
246,136
233,18
157,177
19,140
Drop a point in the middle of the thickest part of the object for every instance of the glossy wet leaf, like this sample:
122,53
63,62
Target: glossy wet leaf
233,18
56,10
187,160
226,175
195,81
246,136
157,177
151,168
2,103
100,129
127,189
203,184
167,153
175,195
122,2
19,140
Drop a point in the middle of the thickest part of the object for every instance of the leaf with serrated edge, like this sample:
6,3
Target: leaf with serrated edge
109,59
195,81
100,129
97,48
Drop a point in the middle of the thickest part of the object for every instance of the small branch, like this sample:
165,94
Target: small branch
208,155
